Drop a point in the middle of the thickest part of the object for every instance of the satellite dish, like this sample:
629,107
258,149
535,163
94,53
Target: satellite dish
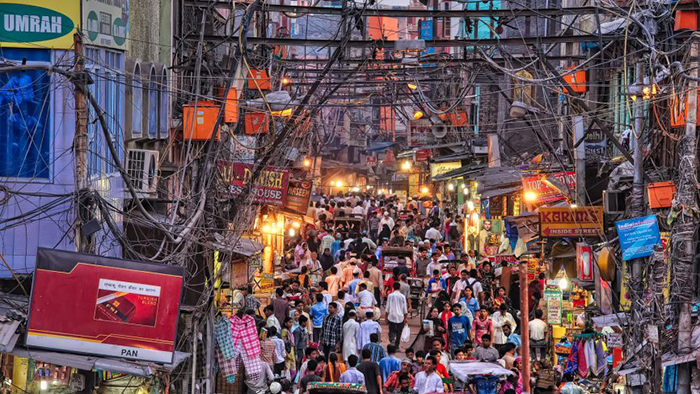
439,130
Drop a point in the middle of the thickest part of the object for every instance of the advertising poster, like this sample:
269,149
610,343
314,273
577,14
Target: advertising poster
553,300
103,306
39,23
638,236
584,262
106,23
298,196
270,187
571,222
545,193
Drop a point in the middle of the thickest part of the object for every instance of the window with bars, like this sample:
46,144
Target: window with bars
106,69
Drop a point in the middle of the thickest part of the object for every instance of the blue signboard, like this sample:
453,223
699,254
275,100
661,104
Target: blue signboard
638,236
426,33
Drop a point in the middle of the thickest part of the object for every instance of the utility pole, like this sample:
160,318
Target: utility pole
80,139
683,281
579,160
635,267
524,328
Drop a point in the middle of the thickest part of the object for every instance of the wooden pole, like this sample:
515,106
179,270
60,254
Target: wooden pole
524,329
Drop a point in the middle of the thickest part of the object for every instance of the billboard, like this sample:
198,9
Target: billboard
443,168
106,23
638,236
298,196
39,23
545,193
571,222
102,306
270,187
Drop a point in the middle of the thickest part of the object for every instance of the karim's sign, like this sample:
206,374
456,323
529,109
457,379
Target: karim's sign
38,23
270,187
571,222
103,306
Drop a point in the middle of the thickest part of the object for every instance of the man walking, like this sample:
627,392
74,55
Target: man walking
370,369
332,330
427,381
396,314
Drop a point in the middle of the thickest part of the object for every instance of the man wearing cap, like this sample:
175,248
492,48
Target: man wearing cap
392,381
351,329
348,272
387,220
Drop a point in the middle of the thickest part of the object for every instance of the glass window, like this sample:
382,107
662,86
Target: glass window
153,104
24,124
164,105
136,103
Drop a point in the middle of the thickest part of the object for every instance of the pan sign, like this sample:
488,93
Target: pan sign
38,23
571,222
638,236
103,306
270,187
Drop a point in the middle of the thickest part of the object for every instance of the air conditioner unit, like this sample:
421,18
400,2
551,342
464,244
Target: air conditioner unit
614,202
142,166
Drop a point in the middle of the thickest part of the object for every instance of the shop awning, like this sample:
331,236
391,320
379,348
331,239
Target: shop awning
236,245
500,192
380,146
467,170
90,363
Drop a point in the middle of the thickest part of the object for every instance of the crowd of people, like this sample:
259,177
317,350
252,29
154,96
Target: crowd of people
324,321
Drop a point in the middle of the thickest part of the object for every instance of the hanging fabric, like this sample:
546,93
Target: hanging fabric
582,362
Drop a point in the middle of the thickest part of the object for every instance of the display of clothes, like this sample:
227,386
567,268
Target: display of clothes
587,358
237,341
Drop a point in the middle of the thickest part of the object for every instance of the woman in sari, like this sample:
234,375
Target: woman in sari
289,361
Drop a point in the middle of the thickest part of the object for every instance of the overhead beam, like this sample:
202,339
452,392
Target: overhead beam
413,13
390,45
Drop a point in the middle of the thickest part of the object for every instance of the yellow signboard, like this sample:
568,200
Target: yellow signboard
443,168
39,24
571,222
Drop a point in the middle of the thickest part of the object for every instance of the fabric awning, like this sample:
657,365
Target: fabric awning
500,192
236,245
380,146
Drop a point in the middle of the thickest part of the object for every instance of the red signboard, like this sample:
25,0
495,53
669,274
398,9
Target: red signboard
544,192
422,155
270,186
298,196
584,262
499,259
102,306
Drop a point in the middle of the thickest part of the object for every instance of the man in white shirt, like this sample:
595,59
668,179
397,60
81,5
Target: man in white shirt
501,317
538,332
358,211
367,328
386,220
434,265
428,381
459,286
433,233
365,298
396,310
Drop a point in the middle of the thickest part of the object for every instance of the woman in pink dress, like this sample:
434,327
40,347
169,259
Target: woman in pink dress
482,325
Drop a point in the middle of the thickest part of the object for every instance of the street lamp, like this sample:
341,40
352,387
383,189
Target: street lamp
418,115
307,163
450,187
424,190
286,81
530,196
406,165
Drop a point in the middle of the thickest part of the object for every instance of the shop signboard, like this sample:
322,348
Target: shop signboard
638,236
443,168
106,23
104,306
298,196
553,300
614,340
270,186
422,155
571,222
39,23
499,259
545,193
418,131
265,283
